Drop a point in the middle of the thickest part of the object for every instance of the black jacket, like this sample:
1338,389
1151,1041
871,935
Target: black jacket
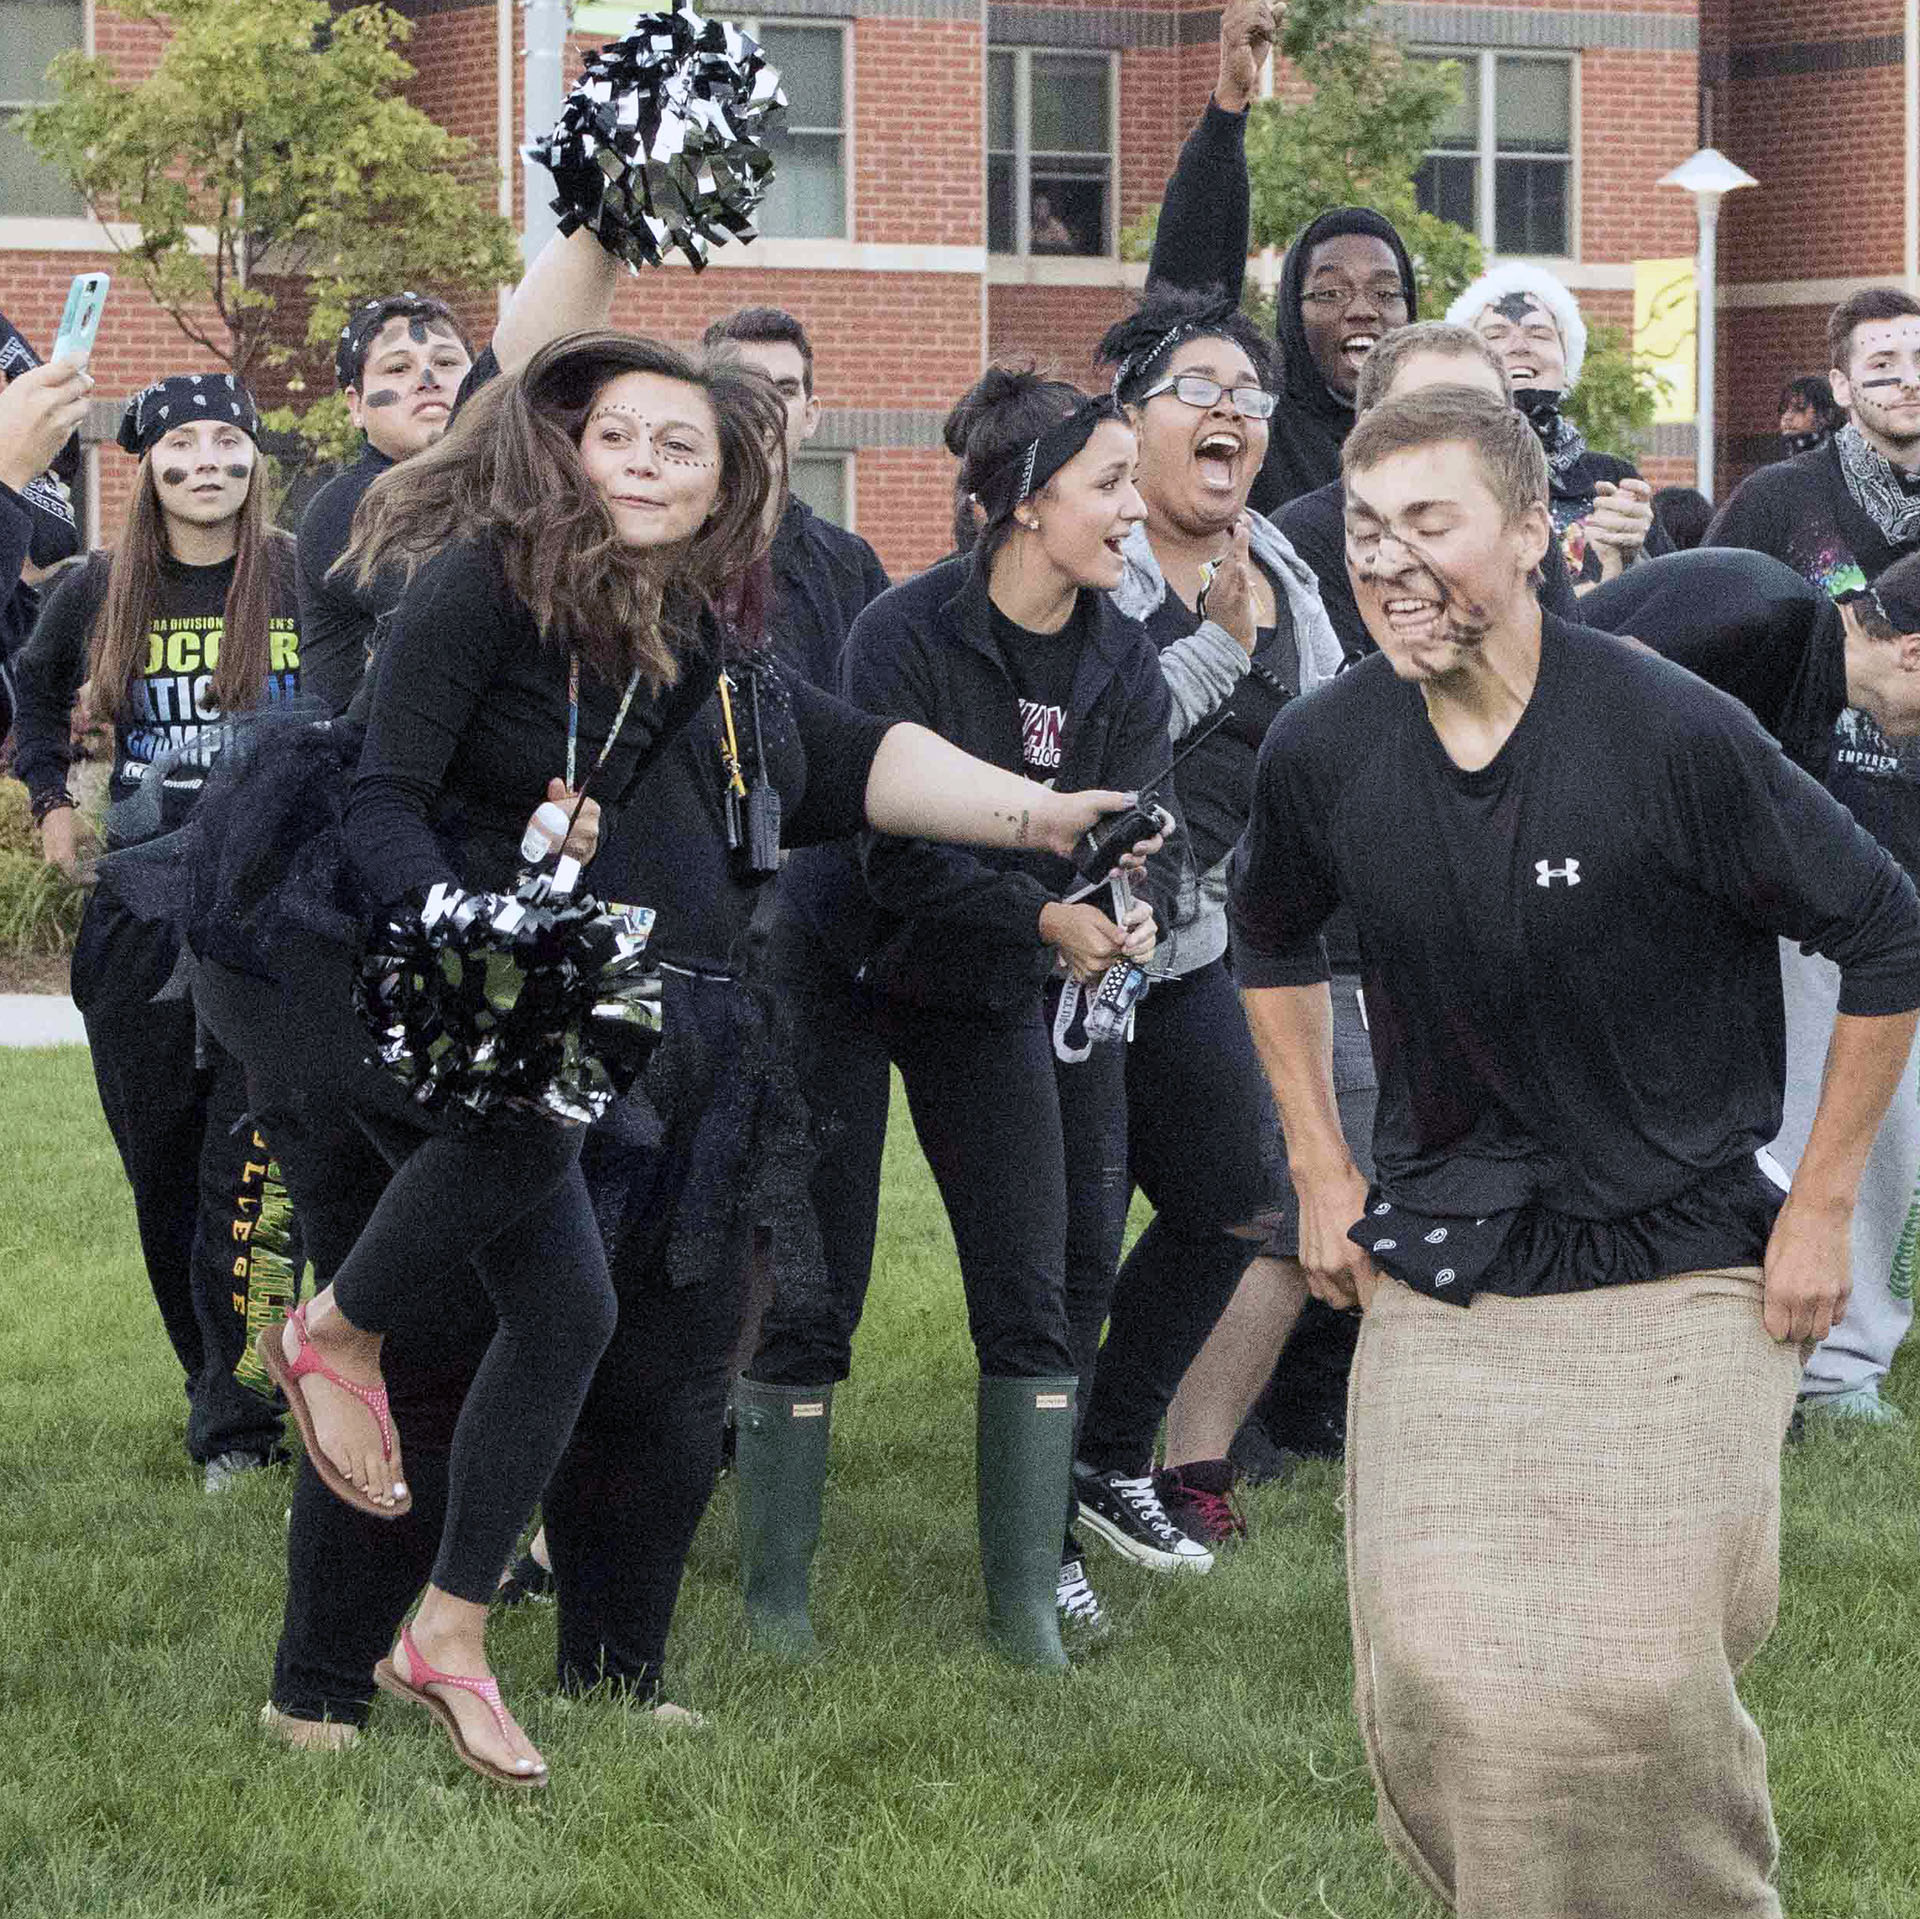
822,575
1202,241
959,927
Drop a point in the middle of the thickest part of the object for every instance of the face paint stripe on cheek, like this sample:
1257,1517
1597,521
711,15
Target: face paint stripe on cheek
383,396
237,472
173,476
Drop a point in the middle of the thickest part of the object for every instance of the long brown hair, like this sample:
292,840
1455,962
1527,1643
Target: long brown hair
117,648
509,470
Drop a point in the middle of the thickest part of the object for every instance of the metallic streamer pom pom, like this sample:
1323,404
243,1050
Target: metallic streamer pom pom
661,143
483,1002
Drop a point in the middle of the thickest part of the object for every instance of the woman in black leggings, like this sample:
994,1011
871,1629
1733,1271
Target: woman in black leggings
576,518
953,967
710,1141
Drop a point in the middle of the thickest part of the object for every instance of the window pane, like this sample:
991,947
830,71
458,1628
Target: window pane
1533,106
32,32
1001,234
1068,210
1530,206
29,188
809,63
820,479
1449,184
1069,104
1000,101
808,199
1460,130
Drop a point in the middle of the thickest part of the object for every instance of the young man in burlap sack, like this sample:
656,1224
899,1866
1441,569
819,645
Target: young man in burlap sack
1569,862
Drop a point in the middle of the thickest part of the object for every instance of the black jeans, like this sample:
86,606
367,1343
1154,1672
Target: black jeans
176,1106
1205,1149
628,1494
1029,1154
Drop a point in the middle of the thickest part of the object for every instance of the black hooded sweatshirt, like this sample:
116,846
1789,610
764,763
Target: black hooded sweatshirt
1202,239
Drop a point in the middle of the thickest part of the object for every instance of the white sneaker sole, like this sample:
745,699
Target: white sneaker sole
1124,1543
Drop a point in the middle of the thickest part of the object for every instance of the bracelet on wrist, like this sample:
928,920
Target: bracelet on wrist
39,805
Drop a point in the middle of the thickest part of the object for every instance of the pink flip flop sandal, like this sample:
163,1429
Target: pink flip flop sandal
413,1688
287,1376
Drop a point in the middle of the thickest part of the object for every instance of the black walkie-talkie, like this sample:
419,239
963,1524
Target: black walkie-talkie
756,854
1100,847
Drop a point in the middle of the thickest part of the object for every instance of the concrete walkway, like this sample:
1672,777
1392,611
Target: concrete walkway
39,1019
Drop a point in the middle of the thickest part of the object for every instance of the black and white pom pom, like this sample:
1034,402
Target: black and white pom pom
662,142
484,1002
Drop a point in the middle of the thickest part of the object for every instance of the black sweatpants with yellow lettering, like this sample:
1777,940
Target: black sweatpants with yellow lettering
211,1220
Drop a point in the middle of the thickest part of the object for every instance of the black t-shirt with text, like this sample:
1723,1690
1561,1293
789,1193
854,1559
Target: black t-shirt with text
169,707
1801,512
1569,955
1041,666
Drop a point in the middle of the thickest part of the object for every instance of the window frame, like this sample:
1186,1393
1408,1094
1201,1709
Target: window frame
1022,150
752,23
1486,149
75,218
844,458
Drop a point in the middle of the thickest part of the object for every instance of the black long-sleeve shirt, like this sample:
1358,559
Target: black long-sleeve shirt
339,619
468,722
1569,955
1801,512
169,706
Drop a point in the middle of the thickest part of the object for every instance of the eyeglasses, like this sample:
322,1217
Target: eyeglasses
1337,299
1250,402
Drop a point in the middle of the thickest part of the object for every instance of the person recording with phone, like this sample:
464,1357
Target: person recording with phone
965,970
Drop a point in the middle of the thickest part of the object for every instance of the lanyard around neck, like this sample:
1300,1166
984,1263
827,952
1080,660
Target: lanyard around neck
573,720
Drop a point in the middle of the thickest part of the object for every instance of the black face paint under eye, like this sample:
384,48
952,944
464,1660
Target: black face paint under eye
1887,380
237,472
173,475
1516,306
383,396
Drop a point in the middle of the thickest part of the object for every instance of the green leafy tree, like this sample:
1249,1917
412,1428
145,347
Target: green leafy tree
273,144
1613,406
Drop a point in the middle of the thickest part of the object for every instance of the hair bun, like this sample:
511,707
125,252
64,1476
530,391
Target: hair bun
997,387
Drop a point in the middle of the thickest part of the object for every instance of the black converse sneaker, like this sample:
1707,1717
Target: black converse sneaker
1125,1512
1083,1621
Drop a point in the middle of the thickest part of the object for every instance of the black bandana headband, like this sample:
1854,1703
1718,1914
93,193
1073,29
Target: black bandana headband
1133,370
157,409
364,324
1027,471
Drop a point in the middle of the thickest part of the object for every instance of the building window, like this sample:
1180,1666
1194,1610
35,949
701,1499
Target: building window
33,31
1050,149
821,481
1501,164
808,198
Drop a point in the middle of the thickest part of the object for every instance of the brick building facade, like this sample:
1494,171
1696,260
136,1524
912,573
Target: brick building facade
958,173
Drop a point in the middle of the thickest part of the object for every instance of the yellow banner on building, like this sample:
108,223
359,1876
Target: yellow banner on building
1666,310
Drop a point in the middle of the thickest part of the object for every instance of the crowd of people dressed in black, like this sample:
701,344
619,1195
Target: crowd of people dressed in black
1500,993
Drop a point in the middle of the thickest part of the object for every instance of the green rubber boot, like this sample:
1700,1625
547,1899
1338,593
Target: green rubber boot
780,1460
1026,1458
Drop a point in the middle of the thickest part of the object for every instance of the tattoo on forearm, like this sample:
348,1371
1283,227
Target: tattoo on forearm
1020,831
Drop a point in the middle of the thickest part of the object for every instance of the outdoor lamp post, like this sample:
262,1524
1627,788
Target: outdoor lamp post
1707,176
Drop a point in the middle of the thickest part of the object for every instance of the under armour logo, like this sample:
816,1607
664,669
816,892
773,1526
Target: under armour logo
1547,872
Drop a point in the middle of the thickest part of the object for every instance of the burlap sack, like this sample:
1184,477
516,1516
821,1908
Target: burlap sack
1563,1532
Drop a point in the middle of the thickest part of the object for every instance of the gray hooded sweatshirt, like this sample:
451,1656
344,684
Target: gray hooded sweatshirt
1201,671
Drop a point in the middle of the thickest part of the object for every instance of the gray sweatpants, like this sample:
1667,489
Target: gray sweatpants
1886,1223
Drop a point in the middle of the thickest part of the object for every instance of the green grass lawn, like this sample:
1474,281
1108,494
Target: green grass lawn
1206,1764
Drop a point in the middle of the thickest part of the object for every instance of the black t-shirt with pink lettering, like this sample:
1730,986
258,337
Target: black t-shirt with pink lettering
1041,666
